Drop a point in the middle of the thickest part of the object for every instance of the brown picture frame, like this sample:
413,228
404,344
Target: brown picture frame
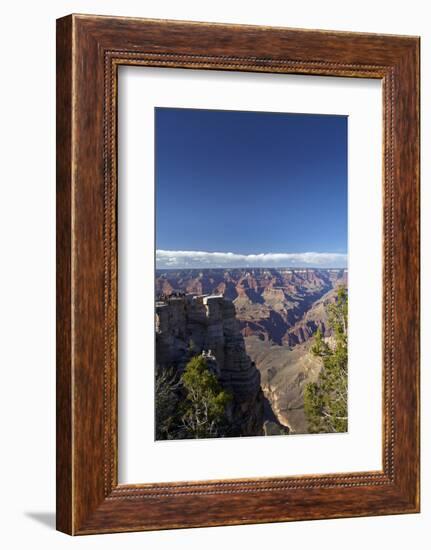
89,51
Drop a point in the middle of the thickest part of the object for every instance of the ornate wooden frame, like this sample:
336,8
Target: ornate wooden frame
89,51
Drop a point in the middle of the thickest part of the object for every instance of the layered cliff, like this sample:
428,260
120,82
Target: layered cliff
188,325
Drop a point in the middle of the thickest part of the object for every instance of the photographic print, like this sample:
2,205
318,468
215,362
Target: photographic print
251,301
204,305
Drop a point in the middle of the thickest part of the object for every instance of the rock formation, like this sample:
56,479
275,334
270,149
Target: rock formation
277,313
190,325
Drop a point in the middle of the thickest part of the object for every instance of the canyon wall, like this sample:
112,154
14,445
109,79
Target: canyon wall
283,306
277,314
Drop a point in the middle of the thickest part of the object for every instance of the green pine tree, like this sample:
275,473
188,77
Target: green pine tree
204,408
325,401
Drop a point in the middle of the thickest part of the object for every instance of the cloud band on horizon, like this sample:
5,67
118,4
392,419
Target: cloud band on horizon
197,259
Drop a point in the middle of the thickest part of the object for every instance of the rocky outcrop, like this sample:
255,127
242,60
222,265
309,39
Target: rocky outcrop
190,325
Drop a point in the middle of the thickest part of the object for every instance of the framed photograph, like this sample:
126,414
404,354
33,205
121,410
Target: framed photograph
237,274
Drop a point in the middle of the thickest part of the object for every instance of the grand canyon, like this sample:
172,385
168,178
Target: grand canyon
256,326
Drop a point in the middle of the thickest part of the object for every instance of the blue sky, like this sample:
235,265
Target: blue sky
237,188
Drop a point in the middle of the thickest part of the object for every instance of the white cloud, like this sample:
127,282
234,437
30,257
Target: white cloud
180,259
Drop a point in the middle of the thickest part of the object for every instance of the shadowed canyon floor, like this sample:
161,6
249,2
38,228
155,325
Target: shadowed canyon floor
277,312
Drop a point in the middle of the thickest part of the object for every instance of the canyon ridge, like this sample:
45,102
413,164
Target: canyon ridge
255,325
